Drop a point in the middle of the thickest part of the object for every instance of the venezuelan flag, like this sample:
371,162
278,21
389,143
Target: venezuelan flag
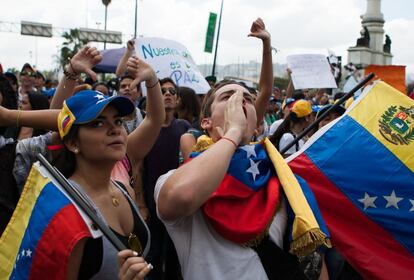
244,204
360,168
42,232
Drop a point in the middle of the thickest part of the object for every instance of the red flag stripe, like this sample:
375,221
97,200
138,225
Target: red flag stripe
58,240
367,246
239,213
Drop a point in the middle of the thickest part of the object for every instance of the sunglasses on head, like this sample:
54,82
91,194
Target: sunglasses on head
30,74
171,90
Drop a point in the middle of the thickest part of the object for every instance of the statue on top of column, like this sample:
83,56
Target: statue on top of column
363,41
387,45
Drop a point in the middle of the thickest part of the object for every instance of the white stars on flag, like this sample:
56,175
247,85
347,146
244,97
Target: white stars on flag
392,200
249,149
254,169
412,203
368,201
21,256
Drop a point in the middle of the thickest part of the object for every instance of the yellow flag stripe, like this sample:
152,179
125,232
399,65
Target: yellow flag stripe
14,232
371,113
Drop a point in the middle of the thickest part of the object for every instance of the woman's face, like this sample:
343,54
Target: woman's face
103,139
218,107
25,103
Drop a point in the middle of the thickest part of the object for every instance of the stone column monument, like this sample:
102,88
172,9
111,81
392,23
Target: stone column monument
370,48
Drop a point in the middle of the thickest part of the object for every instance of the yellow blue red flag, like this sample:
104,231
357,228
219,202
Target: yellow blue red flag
42,232
360,169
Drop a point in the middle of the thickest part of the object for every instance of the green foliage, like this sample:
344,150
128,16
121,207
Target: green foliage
280,82
70,46
389,114
410,136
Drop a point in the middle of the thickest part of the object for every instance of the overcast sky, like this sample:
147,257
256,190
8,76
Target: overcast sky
296,26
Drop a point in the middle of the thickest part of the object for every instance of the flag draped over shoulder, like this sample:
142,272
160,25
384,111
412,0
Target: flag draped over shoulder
245,203
360,168
42,232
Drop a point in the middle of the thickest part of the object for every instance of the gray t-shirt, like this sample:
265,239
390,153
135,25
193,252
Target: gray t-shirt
26,152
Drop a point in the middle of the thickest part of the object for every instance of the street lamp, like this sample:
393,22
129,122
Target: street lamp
136,16
106,3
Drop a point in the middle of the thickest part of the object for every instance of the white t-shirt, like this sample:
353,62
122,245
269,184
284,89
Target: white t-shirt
288,138
204,254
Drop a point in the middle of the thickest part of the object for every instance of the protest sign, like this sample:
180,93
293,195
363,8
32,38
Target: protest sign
171,59
311,71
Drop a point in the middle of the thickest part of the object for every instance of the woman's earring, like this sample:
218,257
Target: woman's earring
76,150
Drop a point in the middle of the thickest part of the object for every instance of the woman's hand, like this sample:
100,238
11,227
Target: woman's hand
141,71
84,60
131,266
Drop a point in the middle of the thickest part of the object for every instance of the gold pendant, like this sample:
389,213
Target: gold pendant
134,243
115,201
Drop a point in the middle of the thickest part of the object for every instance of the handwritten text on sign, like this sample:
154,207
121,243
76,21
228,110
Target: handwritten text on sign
310,71
171,59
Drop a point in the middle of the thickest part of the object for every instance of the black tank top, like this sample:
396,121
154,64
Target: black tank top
93,250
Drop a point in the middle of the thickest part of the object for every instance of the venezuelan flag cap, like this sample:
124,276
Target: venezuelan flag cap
86,106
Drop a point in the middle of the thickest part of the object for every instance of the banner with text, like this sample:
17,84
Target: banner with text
171,59
311,71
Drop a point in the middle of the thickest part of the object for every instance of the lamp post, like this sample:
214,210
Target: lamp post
217,40
136,18
106,3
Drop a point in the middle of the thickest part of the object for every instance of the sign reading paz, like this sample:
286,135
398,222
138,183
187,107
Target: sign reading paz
310,71
171,59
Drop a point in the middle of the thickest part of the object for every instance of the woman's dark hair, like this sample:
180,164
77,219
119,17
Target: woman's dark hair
189,106
8,94
284,127
95,85
38,102
65,160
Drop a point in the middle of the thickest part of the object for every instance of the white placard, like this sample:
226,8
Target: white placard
350,84
171,59
311,71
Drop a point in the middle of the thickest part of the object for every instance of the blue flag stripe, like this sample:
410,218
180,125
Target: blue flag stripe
357,146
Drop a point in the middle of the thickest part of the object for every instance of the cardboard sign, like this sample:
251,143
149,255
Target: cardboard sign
393,75
171,59
311,71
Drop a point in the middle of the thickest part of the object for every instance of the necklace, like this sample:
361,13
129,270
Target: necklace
114,199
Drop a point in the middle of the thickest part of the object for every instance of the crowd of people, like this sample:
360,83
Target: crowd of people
153,166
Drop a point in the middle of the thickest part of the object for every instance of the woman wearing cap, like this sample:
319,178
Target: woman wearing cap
297,120
95,141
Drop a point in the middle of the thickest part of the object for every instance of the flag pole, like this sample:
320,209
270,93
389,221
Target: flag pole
322,116
82,203
217,40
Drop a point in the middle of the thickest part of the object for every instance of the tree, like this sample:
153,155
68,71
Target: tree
70,46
